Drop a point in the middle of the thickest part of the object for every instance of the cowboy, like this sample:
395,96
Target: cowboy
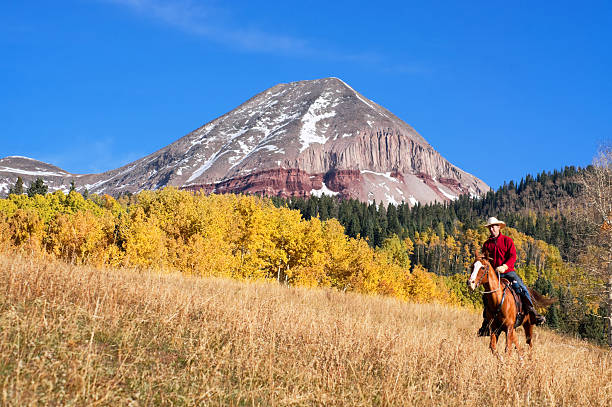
502,253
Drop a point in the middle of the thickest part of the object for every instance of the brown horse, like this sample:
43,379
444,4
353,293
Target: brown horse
502,305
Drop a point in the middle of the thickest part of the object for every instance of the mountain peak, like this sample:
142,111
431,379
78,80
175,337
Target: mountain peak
300,138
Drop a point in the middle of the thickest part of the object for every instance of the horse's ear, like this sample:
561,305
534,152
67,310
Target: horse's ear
487,255
477,254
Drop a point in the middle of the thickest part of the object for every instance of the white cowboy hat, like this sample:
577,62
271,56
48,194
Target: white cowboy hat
494,221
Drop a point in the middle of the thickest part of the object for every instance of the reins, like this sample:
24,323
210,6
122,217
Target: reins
498,280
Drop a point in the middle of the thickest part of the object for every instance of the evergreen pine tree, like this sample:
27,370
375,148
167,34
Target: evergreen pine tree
552,316
367,227
38,187
393,225
382,222
311,210
354,227
17,189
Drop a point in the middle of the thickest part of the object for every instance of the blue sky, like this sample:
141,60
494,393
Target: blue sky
499,90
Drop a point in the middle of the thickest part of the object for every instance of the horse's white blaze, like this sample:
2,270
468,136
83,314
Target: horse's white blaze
477,267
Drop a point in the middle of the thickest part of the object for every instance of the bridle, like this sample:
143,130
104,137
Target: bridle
484,274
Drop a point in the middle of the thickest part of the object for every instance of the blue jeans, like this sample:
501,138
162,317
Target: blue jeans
517,284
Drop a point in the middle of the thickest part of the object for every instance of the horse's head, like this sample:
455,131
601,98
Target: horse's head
480,271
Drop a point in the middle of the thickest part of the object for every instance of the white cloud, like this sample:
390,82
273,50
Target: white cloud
221,25
214,24
218,24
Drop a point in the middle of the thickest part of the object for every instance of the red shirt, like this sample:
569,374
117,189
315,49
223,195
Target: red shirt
502,250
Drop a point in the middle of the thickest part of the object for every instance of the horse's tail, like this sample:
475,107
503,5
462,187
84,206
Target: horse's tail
540,300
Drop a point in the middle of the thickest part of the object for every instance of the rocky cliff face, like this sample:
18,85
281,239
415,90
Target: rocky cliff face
300,138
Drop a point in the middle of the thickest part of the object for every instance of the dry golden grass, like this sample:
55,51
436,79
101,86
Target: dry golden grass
81,336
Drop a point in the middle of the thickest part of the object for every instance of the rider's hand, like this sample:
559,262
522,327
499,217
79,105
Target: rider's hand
502,268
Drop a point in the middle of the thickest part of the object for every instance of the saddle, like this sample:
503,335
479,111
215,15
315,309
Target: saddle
517,300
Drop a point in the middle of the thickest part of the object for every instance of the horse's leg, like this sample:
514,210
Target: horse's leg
516,343
509,339
528,334
493,343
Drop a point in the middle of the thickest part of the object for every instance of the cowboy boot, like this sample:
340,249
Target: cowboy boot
529,309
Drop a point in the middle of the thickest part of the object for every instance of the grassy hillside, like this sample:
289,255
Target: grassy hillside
76,335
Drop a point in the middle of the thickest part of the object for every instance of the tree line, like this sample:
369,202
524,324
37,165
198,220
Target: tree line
440,240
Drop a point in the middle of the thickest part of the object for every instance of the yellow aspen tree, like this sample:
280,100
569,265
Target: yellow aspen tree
26,229
253,236
365,274
77,237
310,270
396,252
337,253
421,287
145,242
